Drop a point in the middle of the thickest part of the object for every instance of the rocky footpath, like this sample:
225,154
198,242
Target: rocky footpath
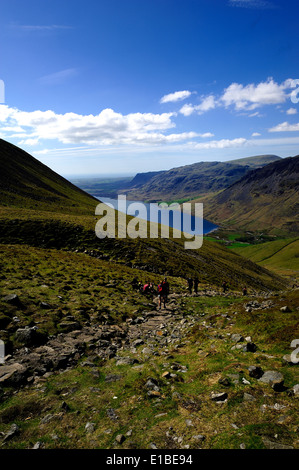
153,333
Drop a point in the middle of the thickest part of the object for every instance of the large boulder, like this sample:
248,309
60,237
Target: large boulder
13,374
30,337
13,299
273,378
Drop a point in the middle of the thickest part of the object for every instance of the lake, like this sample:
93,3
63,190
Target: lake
194,223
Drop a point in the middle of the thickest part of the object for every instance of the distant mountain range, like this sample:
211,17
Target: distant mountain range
263,199
190,181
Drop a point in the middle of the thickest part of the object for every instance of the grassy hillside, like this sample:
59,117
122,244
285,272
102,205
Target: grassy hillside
281,256
27,183
257,161
264,199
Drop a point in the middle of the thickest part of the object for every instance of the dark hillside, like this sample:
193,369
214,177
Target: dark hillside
26,182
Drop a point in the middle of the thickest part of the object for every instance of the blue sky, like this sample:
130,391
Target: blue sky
123,86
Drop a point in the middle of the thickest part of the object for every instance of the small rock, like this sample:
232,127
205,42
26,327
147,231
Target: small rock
237,338
46,419
137,342
152,384
65,406
111,414
198,437
14,431
112,378
273,378
216,396
255,372
250,347
285,309
275,445
120,438
126,361
246,382
248,397
294,392
37,445
166,375
153,446
147,351
45,305
13,299
153,394
90,427
287,359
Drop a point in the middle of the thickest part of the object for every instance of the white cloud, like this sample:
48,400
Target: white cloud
292,111
176,96
206,135
246,98
252,96
207,103
255,134
187,109
29,142
285,127
105,128
221,144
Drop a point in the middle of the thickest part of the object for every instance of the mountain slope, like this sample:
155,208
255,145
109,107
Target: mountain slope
257,161
28,183
280,256
192,180
264,199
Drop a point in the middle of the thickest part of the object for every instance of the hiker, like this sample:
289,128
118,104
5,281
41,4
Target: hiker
190,284
224,286
152,288
134,283
146,288
163,291
244,290
196,282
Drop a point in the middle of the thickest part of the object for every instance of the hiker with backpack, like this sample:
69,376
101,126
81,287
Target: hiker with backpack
163,291
146,288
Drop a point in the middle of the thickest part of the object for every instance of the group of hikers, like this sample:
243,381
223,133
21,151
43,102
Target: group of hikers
149,289
162,289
